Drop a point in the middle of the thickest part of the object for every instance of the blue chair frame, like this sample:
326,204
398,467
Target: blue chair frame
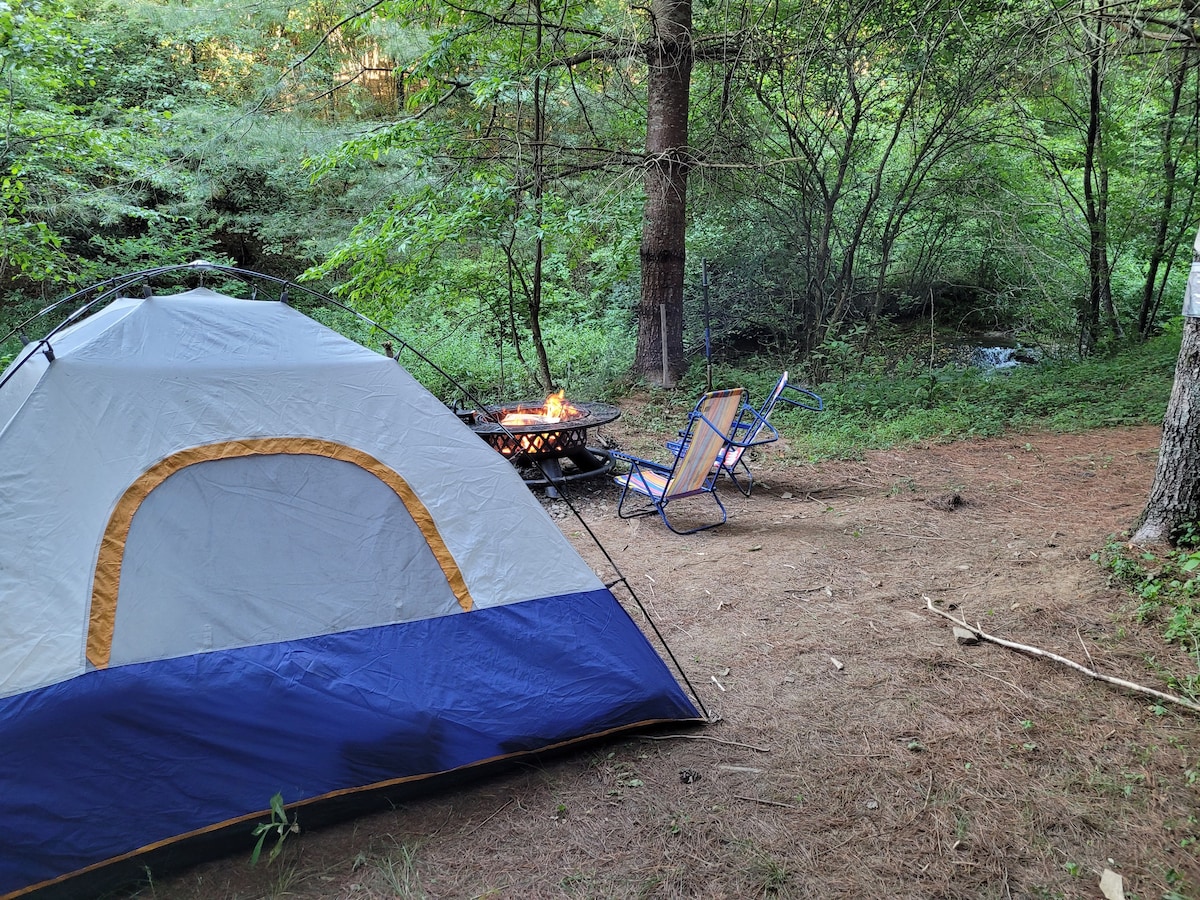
693,471
748,428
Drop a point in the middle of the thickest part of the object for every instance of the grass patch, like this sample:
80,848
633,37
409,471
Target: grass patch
881,404
1166,587
396,870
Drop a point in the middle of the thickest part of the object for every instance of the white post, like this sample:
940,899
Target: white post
662,324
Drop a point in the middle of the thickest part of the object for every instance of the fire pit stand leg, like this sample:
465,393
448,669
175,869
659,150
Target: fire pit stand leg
552,469
587,460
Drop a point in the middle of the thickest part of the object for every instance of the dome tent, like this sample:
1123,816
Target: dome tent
241,554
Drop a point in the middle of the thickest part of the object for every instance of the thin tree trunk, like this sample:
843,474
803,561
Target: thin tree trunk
664,220
1170,167
539,142
1093,201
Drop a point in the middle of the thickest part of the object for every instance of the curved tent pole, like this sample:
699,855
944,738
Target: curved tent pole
113,287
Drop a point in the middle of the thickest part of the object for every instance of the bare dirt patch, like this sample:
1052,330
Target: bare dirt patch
859,750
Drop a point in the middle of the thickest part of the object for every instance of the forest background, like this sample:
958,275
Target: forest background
536,195
865,183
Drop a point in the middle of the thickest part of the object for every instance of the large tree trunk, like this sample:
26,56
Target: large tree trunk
664,222
1175,494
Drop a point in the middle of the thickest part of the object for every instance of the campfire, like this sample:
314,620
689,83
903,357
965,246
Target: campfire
555,409
544,434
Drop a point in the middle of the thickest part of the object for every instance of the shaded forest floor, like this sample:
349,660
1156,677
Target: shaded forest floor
859,751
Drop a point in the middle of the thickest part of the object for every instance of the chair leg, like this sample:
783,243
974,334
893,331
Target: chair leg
621,504
662,511
749,484
637,513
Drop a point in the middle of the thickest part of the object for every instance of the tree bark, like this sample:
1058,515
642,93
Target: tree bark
1095,200
664,219
1175,494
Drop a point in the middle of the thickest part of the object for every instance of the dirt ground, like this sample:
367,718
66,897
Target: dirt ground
858,750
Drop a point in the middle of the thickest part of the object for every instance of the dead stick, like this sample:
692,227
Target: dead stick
994,678
1079,634
495,813
701,737
1035,651
766,802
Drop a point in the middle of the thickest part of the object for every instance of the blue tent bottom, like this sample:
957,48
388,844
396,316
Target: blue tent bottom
120,762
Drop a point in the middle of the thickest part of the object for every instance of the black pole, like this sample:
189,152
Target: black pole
707,328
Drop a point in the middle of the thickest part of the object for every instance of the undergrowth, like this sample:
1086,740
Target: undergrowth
872,403
1166,587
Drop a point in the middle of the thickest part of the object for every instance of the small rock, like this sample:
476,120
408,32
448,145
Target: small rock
689,776
963,636
1112,885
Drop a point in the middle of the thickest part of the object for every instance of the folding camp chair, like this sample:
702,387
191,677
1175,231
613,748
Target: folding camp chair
748,431
694,470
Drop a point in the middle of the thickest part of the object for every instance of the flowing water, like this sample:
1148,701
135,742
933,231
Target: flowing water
992,359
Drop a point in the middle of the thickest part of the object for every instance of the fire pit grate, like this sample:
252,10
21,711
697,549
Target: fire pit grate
539,447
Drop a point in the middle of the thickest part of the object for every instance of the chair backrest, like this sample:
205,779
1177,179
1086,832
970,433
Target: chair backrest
734,453
710,426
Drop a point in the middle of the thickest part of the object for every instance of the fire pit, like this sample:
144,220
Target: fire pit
538,437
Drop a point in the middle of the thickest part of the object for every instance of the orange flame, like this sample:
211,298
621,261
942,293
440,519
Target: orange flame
555,409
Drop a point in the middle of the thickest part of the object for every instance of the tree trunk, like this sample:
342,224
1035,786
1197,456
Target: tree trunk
545,379
1095,201
664,222
1175,494
1158,250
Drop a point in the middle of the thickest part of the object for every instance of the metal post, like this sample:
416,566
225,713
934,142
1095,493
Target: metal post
707,329
662,324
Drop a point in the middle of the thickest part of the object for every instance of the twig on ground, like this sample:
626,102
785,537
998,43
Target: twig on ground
1001,680
1070,663
702,737
1086,653
765,802
493,815
1023,500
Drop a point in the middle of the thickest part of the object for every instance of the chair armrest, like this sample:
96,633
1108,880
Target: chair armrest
808,401
638,462
754,427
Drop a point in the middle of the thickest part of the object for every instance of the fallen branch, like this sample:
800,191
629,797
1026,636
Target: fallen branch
701,737
1036,651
